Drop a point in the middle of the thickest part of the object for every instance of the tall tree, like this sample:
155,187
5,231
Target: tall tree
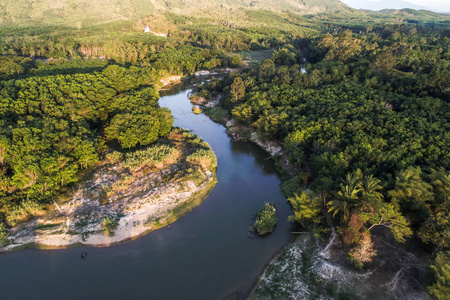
237,90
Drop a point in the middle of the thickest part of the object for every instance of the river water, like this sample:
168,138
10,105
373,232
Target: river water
207,254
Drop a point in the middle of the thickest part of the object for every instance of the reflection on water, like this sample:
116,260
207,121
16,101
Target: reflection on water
255,152
189,82
205,255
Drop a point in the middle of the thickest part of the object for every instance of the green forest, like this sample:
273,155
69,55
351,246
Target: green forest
54,127
366,118
359,99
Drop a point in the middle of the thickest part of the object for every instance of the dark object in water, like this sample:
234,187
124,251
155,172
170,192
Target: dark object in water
83,255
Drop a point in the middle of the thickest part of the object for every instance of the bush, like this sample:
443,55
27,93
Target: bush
266,219
24,211
3,235
203,157
152,156
196,110
122,184
114,157
109,224
236,60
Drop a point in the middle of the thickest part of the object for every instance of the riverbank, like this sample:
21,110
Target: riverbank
303,270
136,198
174,79
312,268
239,132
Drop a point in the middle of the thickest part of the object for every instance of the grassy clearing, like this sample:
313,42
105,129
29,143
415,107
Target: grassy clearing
256,57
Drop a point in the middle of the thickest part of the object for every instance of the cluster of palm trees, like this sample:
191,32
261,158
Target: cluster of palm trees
358,193
360,203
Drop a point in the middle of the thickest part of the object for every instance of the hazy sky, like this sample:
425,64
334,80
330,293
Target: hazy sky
436,5
441,5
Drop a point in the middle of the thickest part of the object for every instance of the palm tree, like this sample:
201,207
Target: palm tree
370,189
347,197
411,188
440,180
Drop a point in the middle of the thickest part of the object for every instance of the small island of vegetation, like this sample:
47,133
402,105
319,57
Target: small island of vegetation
266,219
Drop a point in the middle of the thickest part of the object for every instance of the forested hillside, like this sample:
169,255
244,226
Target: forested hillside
77,13
83,14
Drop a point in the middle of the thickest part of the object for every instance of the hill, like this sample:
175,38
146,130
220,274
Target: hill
73,12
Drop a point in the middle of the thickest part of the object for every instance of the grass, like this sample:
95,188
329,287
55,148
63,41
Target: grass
23,212
256,57
157,155
122,184
104,194
114,157
204,158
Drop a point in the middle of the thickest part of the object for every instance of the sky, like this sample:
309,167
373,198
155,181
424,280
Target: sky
435,5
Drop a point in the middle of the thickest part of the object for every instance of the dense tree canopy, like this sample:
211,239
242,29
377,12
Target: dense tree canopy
51,127
363,109
369,117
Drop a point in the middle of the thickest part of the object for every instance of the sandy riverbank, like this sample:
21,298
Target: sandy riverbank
139,200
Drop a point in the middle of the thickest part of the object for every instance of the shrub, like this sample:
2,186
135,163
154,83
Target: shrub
196,110
122,184
3,235
152,156
114,157
266,219
109,224
24,211
204,157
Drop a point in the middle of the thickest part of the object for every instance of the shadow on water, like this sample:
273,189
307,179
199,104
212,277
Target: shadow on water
206,254
185,83
267,166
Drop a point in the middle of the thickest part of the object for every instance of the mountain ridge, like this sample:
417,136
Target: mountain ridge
71,12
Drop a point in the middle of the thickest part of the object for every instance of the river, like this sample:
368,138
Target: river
207,254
